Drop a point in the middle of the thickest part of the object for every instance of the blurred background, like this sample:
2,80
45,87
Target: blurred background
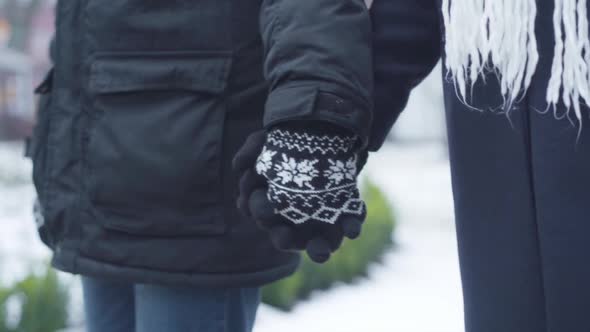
402,275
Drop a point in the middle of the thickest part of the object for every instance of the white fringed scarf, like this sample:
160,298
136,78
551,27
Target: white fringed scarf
499,36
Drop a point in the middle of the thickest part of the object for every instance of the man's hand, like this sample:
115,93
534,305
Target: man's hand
299,182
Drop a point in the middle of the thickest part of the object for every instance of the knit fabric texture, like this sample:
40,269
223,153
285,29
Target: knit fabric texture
311,176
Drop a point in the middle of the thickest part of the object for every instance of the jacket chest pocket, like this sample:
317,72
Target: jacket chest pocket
153,157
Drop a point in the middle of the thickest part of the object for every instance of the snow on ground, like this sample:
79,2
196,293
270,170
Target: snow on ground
20,248
416,289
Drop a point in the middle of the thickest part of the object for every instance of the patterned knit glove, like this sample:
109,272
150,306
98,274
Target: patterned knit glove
299,183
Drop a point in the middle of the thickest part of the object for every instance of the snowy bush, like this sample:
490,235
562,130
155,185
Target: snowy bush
39,303
348,263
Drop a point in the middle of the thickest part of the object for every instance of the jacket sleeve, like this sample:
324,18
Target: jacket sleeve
318,62
407,46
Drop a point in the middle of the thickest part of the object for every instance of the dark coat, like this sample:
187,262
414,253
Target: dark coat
145,108
521,183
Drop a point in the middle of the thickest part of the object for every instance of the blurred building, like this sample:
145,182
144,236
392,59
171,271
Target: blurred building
21,70
16,97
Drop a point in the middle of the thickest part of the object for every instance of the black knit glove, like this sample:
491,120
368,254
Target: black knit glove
299,183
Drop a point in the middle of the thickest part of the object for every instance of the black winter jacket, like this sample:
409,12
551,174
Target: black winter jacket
146,106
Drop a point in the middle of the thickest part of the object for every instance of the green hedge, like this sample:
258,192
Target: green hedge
350,262
43,299
43,304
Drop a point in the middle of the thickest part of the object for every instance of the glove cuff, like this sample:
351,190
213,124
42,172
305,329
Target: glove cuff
304,142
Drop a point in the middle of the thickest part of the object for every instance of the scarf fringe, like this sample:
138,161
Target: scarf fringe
498,36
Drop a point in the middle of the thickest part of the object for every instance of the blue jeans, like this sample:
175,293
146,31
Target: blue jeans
123,307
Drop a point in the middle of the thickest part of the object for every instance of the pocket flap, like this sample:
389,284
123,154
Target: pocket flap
194,71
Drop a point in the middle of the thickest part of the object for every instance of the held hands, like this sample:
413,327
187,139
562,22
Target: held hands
300,184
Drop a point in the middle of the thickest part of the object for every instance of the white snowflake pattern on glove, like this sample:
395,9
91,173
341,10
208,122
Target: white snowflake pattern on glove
264,162
340,171
300,172
311,177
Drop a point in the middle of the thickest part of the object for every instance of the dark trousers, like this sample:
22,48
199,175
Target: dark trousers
124,307
522,201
